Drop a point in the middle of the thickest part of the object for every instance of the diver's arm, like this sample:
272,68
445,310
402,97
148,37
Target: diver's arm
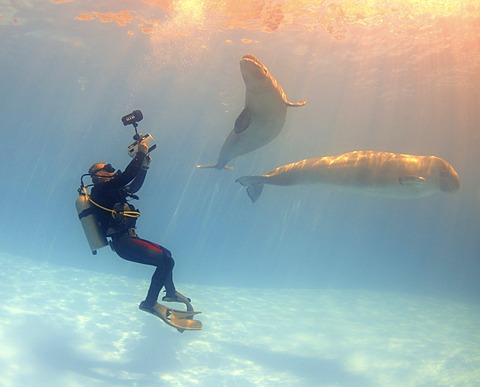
137,182
132,170
121,179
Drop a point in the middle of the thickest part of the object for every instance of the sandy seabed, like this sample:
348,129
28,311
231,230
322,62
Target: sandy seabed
61,326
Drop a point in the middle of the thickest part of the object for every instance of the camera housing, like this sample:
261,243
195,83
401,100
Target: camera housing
133,148
132,119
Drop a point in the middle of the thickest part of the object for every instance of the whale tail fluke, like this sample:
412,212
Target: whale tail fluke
215,165
254,191
254,186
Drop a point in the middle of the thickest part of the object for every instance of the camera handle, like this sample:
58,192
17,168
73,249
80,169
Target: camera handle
136,136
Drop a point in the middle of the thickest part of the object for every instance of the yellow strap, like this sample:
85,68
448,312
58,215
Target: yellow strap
131,214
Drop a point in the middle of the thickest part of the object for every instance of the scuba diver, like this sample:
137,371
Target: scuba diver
117,220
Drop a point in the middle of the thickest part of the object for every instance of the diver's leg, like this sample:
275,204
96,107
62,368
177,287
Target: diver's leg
159,280
170,290
169,285
148,253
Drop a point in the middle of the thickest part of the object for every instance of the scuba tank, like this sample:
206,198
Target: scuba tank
91,227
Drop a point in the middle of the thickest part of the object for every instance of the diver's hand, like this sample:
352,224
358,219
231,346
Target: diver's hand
146,162
142,147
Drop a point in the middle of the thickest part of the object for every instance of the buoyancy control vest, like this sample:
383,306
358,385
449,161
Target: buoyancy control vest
123,216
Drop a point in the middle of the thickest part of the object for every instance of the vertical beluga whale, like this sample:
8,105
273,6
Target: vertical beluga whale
376,173
263,116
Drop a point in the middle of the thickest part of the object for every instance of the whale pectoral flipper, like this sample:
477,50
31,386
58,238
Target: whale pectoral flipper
412,180
243,121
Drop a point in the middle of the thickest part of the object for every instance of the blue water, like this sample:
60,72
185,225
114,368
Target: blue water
308,286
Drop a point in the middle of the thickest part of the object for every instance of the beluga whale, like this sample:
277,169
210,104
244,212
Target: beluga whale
375,173
263,116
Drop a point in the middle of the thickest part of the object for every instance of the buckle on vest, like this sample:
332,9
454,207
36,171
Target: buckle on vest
132,233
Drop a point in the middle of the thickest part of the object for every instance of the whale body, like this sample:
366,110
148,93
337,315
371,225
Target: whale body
375,173
263,117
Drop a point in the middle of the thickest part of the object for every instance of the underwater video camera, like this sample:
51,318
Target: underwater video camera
132,119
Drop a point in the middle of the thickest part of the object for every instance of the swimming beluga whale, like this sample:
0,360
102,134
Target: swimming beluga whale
375,173
263,117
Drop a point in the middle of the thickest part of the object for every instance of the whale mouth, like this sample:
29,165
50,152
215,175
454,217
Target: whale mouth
252,58
252,69
449,181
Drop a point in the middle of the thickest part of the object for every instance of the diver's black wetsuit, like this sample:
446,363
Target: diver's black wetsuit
127,246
